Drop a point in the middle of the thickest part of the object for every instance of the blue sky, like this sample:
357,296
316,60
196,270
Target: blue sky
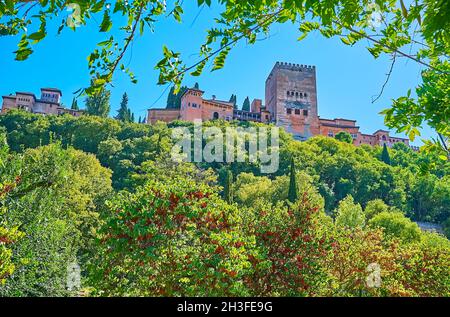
347,77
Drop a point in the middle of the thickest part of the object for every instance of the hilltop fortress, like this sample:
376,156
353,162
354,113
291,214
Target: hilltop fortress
290,102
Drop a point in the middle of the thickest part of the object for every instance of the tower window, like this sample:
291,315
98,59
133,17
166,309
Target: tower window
306,95
287,93
296,94
288,111
305,113
297,111
301,95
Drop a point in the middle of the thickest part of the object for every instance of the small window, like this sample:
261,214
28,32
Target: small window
296,94
287,93
267,116
305,113
306,95
330,134
301,95
297,111
288,111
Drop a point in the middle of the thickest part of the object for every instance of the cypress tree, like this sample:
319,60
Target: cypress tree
178,97
246,105
132,117
171,99
293,191
140,119
233,99
228,188
123,112
385,155
74,104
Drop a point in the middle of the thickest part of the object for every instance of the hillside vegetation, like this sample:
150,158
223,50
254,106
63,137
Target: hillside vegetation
106,195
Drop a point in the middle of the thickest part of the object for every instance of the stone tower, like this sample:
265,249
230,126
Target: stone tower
291,98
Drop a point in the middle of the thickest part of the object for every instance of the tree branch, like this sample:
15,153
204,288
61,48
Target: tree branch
388,76
255,28
390,48
127,41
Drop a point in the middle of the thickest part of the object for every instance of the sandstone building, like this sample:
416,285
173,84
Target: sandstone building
49,103
290,102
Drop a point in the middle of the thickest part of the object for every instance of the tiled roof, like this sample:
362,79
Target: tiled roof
226,103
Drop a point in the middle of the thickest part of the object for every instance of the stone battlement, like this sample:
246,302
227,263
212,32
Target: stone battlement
293,66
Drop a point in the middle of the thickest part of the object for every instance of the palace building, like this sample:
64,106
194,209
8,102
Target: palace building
290,102
49,103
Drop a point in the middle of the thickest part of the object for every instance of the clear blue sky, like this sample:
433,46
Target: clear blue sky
347,77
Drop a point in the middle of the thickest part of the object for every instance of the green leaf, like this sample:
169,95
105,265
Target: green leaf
199,69
37,36
106,24
219,61
23,54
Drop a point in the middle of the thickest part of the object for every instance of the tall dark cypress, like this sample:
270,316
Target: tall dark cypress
293,189
171,99
385,155
233,99
246,105
228,188
75,104
123,114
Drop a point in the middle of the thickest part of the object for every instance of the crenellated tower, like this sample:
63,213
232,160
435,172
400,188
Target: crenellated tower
291,98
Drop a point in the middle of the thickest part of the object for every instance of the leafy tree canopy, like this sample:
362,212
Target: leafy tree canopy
390,27
344,137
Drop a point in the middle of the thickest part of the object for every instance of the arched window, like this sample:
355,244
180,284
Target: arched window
215,115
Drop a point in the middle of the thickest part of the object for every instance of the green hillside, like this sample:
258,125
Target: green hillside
105,194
